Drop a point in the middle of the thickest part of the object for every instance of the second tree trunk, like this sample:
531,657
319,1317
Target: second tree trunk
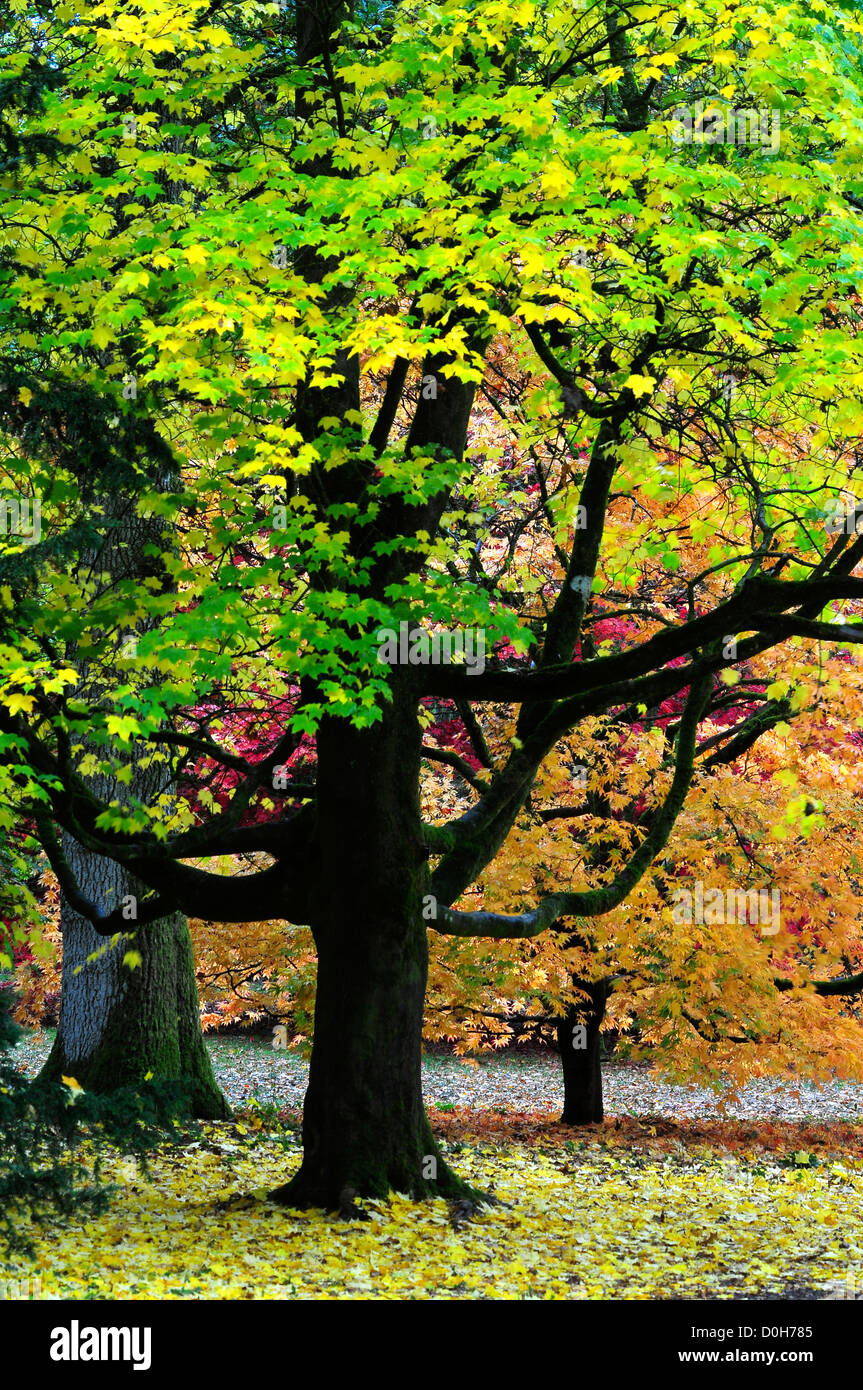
578,1038
118,1023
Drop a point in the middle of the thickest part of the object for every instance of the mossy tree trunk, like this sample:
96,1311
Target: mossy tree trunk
121,1022
365,1130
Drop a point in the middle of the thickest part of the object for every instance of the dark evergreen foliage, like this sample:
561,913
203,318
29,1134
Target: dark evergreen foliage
53,1140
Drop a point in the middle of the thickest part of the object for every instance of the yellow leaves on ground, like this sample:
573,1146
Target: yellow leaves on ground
583,1223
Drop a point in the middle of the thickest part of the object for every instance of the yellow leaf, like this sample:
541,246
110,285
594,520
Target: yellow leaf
641,385
15,703
557,180
132,959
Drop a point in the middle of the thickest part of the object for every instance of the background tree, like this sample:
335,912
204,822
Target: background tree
783,817
125,1013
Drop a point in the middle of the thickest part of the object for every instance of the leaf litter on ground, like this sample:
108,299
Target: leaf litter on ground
670,1200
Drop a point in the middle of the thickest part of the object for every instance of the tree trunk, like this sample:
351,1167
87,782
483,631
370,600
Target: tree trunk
582,1064
120,1022
365,1131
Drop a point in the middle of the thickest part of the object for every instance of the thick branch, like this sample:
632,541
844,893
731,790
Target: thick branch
758,604
594,902
844,984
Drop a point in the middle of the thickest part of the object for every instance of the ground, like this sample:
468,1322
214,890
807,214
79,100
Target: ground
668,1199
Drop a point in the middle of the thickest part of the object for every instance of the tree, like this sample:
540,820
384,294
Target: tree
780,818
709,990
387,202
124,1014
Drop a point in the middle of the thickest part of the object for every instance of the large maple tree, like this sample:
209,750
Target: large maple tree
363,203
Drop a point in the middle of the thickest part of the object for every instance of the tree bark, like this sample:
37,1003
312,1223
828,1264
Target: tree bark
365,1130
582,1066
118,1023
